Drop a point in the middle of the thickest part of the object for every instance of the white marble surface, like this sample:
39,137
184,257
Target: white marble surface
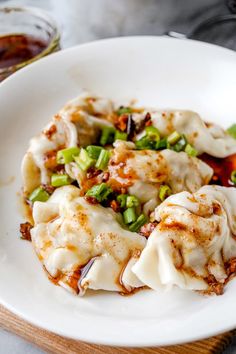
85,20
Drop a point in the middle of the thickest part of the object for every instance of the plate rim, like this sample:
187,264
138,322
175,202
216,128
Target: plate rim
118,343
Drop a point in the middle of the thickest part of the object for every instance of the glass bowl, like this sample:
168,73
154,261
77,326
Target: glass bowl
31,23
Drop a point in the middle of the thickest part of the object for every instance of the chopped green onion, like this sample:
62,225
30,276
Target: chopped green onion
99,191
121,135
190,150
150,140
107,136
164,192
66,155
129,215
124,110
161,144
94,151
173,138
232,131
135,226
103,160
132,201
152,133
84,161
121,199
180,145
39,195
233,176
58,180
145,143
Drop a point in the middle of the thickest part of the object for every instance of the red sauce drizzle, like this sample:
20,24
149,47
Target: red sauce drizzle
222,168
17,48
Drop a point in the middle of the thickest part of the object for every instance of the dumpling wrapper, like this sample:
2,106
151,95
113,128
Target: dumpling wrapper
193,242
58,134
70,234
143,171
206,138
77,124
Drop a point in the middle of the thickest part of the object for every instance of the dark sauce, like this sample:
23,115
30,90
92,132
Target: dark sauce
18,48
222,168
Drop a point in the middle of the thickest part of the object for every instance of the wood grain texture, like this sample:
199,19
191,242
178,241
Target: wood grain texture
53,343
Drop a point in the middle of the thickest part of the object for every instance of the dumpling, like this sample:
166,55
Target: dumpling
194,245
88,114
41,155
205,137
77,124
143,171
84,246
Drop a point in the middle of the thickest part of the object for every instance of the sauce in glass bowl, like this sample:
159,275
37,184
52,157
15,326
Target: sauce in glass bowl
17,48
26,34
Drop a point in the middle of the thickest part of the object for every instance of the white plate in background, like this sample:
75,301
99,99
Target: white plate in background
157,71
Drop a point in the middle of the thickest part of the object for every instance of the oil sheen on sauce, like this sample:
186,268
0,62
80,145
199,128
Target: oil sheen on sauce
222,168
18,48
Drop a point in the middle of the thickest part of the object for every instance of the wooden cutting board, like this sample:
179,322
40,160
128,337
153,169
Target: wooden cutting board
53,343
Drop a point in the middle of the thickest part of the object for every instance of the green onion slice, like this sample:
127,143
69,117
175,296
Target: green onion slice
124,110
39,195
66,155
180,145
103,160
121,199
132,201
190,150
121,135
164,192
152,133
93,151
84,161
161,144
107,136
233,176
173,138
58,180
232,131
100,192
135,226
145,143
129,215
150,140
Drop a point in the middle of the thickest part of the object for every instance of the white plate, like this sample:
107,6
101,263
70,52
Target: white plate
162,72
